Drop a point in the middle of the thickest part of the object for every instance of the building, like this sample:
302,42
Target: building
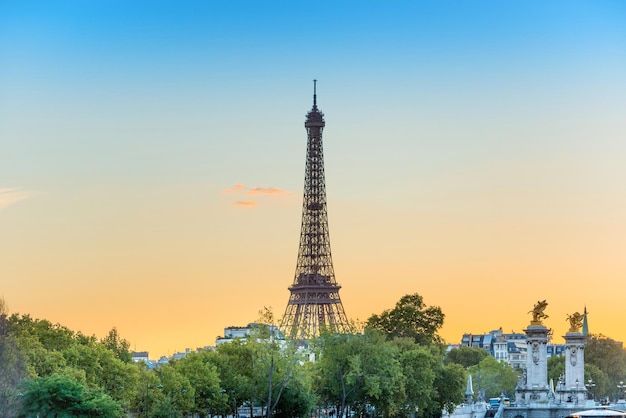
511,347
230,333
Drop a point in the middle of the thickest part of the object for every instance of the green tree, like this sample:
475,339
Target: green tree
410,318
597,382
63,395
297,401
275,365
449,384
466,356
556,369
176,394
149,396
609,356
494,377
419,377
201,372
358,371
117,345
12,366
235,365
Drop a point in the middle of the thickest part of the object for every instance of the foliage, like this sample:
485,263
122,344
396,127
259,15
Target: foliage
235,365
388,373
556,368
599,387
360,370
608,356
117,345
13,369
275,365
410,318
449,384
63,395
466,356
297,401
204,379
494,377
418,367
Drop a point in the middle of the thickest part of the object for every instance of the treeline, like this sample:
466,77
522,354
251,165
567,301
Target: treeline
394,366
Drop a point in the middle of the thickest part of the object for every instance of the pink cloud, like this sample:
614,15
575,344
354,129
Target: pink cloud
245,203
265,191
236,188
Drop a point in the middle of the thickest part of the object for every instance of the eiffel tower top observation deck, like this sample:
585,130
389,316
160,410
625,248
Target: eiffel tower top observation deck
314,303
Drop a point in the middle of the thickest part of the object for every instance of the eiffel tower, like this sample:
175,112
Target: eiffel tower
314,303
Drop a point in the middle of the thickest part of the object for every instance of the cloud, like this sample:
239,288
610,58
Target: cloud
241,189
11,195
245,203
265,191
236,188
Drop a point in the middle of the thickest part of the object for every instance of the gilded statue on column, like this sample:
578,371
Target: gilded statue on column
575,322
538,314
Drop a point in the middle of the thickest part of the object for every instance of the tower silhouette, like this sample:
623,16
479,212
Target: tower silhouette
314,303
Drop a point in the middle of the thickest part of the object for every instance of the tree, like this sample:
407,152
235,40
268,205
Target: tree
556,368
410,318
276,363
235,365
466,356
608,356
358,371
118,345
149,397
494,377
417,364
600,381
177,393
449,384
64,395
12,366
297,401
201,372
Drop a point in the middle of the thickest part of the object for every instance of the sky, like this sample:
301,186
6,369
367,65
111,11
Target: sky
152,159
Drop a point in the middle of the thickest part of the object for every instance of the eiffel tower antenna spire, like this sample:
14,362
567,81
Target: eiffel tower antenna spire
314,303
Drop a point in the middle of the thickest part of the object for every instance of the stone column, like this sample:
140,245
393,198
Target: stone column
534,389
575,367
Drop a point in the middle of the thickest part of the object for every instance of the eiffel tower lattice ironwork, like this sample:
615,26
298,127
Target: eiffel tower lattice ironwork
314,303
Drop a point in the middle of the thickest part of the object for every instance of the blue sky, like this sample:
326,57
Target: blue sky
469,145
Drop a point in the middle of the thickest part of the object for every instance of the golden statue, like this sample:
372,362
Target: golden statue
537,312
575,322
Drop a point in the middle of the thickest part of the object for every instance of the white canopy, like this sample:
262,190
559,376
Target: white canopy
601,412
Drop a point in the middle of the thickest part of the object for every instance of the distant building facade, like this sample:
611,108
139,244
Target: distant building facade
507,347
230,333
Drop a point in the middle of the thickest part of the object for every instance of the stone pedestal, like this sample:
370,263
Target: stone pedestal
533,388
574,386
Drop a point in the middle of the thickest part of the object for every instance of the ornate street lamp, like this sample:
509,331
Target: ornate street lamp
589,385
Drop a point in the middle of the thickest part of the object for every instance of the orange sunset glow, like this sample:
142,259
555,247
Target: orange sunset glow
152,162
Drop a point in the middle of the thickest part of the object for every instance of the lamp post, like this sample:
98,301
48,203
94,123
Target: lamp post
159,386
577,391
589,385
560,389
235,412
